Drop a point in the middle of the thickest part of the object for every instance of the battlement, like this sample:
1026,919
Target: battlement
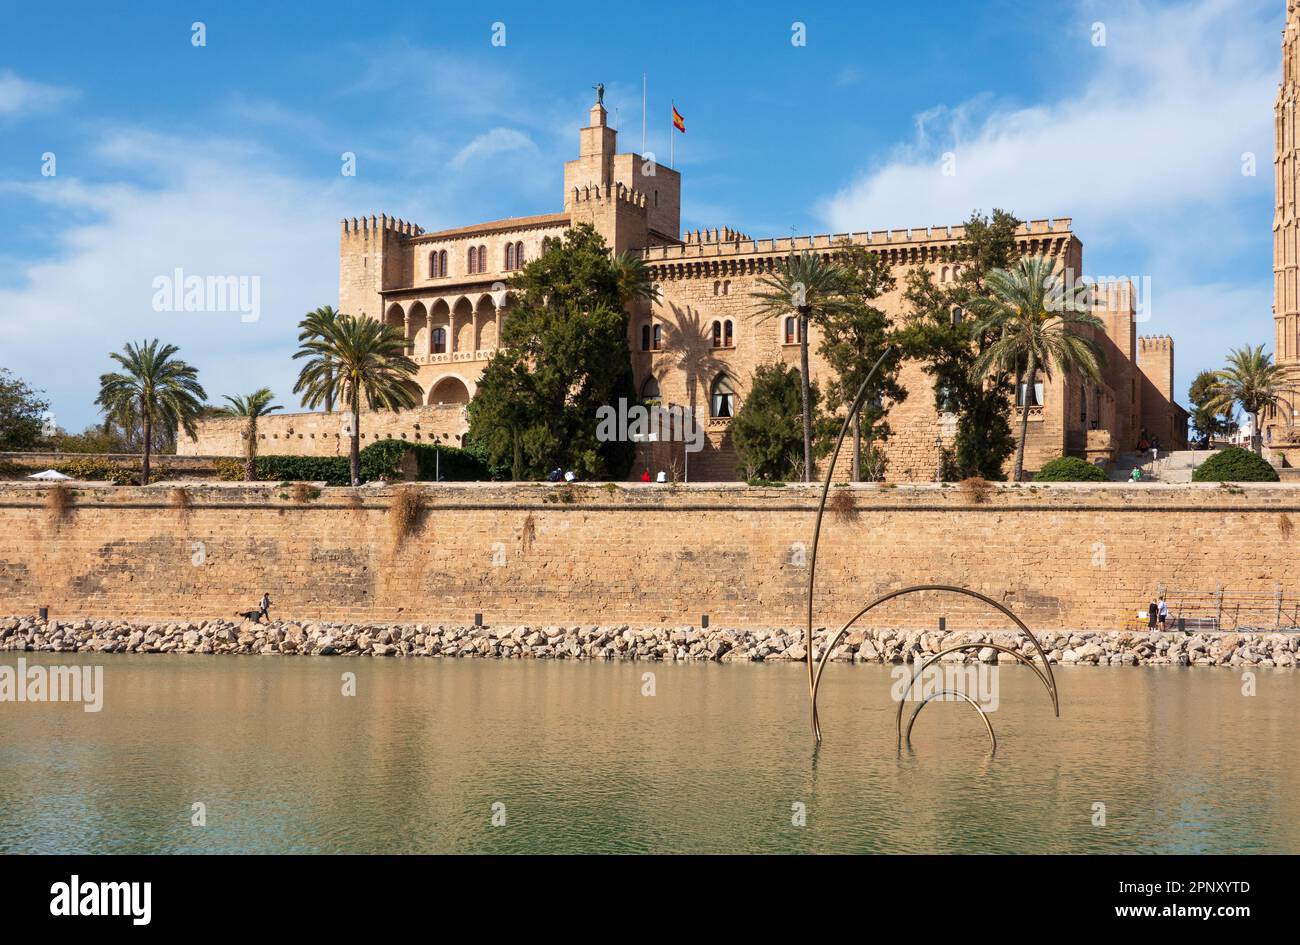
1155,343
373,224
927,236
589,193
717,235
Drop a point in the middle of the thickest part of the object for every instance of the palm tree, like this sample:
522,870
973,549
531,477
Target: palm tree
156,388
355,357
317,324
1252,380
812,287
1037,319
255,405
634,282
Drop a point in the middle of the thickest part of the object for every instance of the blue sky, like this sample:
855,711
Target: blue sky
225,159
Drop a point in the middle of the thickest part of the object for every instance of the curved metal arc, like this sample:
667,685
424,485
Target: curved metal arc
961,695
858,401
1050,680
934,658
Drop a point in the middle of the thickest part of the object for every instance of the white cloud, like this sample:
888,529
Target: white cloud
1177,96
1146,158
491,143
217,208
19,96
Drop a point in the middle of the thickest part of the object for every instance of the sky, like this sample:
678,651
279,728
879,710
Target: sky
128,151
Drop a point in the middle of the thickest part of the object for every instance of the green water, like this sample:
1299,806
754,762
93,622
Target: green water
583,762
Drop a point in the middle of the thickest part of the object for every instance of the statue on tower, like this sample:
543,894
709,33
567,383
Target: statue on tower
600,93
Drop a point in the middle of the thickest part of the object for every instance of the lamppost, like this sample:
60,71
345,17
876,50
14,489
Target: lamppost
938,462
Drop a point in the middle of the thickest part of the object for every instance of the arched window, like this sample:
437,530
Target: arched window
645,337
726,286
727,339
519,255
656,337
957,315
943,274
482,258
723,397
650,390
510,256
717,288
433,264
471,260
717,334
440,341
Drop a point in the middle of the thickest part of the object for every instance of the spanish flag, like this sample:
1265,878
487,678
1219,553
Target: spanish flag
678,121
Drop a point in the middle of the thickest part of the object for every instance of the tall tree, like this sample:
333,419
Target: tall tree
316,325
154,388
1250,378
1041,324
23,413
853,338
946,342
768,430
811,289
564,355
251,408
1208,423
355,358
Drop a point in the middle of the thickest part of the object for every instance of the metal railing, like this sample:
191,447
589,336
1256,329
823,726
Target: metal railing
1222,609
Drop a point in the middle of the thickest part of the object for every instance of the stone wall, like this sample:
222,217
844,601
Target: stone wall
1063,557
324,434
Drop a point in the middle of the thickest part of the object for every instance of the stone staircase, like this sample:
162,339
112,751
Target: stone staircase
1170,467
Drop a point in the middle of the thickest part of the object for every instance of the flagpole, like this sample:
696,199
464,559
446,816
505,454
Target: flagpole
672,142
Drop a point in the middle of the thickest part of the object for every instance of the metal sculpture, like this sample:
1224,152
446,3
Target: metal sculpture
814,675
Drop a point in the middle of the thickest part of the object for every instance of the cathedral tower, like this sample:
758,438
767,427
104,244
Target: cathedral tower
1286,226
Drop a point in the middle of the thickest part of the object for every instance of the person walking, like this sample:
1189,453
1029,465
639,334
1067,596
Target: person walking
1162,610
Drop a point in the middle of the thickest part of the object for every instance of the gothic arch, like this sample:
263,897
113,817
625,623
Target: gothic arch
448,389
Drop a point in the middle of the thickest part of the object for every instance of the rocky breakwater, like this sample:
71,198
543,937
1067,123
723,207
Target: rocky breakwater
28,633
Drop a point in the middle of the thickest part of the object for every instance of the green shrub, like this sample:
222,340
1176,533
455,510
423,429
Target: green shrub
1069,469
383,460
97,468
229,470
1235,464
379,460
333,470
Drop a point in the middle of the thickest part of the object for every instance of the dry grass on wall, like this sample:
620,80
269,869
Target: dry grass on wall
976,489
403,512
843,505
58,500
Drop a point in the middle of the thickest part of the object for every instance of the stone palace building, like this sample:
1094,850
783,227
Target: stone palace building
699,344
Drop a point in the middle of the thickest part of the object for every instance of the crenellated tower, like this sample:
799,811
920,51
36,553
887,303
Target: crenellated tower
631,199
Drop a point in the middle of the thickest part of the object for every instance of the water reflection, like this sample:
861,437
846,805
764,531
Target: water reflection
582,762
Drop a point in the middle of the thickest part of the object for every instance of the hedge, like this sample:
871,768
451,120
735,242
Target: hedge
1235,464
1069,469
380,460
